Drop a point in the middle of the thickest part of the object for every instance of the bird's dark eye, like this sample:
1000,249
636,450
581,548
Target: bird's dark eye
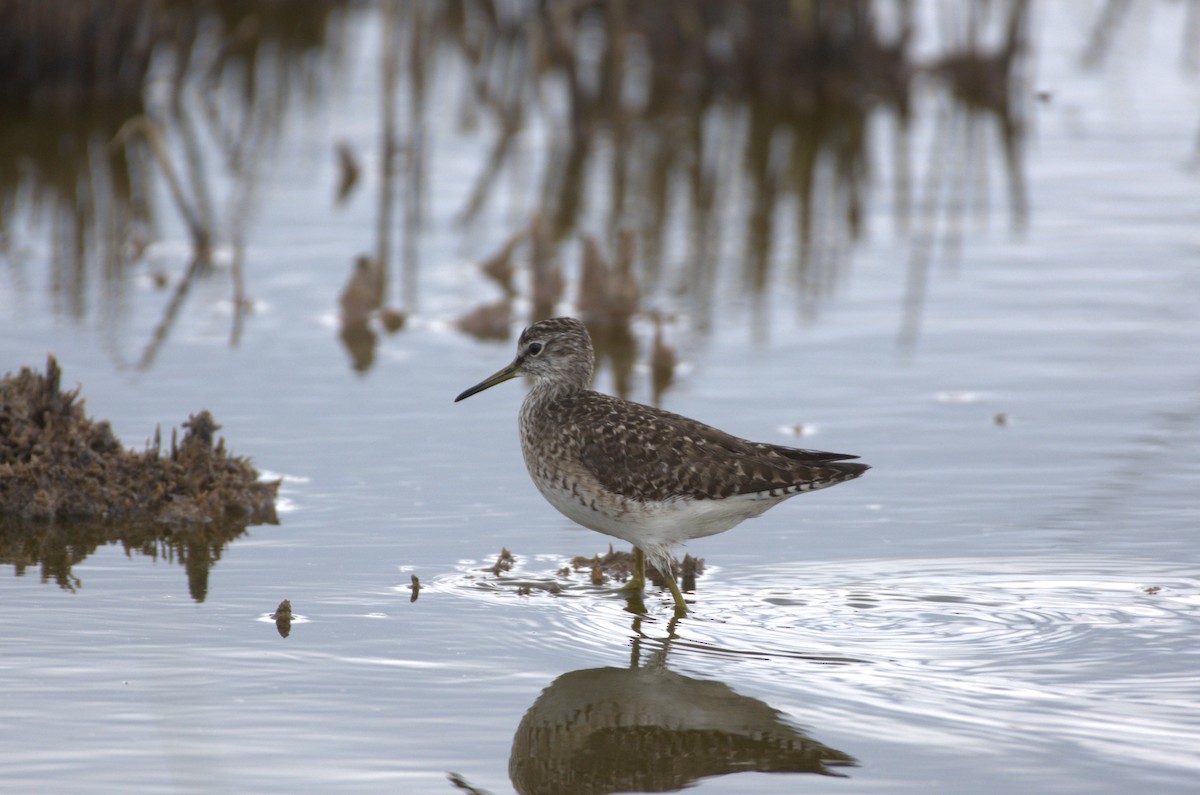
534,348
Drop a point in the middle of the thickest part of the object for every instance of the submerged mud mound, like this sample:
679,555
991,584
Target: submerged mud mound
56,464
67,488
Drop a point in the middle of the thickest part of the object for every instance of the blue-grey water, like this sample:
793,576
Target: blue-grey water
1009,601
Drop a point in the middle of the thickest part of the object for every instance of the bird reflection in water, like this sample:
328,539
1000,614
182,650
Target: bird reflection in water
646,728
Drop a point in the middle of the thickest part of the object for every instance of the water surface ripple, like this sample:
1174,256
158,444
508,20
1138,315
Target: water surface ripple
976,653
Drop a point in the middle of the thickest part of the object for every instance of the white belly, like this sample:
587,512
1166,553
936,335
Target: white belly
655,524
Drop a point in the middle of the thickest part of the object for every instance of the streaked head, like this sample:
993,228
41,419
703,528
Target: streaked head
557,351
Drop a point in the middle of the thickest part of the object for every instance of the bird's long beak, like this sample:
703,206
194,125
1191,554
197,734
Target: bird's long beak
510,372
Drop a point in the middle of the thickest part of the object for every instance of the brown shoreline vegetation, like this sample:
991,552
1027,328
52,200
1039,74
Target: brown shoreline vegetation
57,464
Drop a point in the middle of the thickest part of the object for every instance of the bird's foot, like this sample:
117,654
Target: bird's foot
634,585
637,580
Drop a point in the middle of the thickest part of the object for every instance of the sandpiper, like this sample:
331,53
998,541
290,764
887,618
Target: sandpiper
641,474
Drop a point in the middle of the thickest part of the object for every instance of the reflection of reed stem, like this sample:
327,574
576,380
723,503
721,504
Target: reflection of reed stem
922,245
164,326
240,302
243,168
194,162
420,33
201,237
390,66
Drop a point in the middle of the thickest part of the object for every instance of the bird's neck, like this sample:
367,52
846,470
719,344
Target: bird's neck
548,391
544,395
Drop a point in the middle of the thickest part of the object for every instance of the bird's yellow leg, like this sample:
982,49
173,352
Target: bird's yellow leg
637,581
680,605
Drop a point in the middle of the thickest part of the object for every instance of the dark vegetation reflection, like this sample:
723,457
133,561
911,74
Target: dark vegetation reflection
56,547
744,124
646,728
102,101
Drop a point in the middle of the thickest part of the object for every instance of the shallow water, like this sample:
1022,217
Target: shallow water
1008,601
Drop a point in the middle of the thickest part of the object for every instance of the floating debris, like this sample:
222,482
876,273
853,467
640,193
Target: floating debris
348,171
612,565
504,562
528,588
416,588
392,319
463,785
1000,419
689,570
283,618
608,296
619,565
360,300
663,361
363,292
360,297
488,321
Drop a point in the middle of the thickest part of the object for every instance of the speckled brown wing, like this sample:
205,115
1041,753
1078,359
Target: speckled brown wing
675,456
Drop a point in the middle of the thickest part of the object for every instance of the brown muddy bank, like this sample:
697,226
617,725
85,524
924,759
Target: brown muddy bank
56,463
67,487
